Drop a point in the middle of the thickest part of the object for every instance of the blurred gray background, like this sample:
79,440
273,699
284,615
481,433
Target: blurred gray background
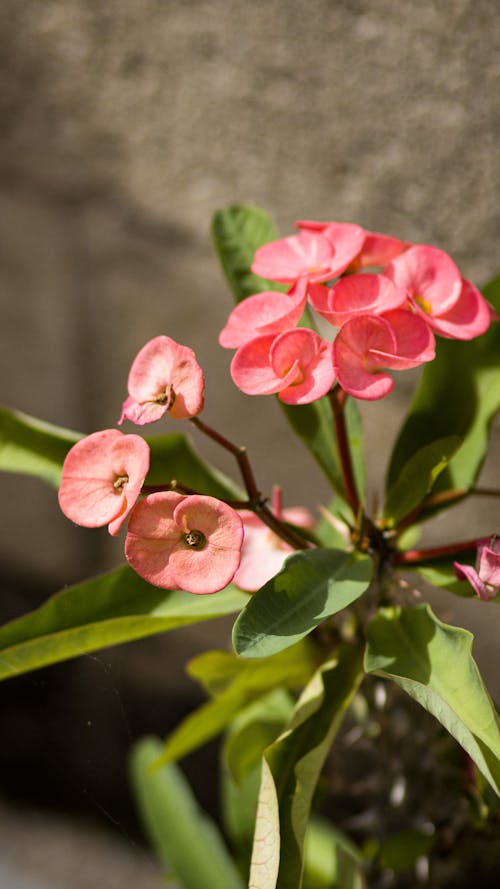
124,126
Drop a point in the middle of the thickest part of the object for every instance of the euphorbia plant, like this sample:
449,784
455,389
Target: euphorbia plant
323,607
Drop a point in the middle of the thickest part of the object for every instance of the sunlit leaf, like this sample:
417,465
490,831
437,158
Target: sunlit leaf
418,476
433,663
312,585
107,610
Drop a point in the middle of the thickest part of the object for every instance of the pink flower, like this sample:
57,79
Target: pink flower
164,376
268,312
356,295
102,478
191,543
297,364
376,249
453,307
485,577
365,344
308,255
263,552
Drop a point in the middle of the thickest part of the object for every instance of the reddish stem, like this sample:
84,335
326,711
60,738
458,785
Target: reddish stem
337,400
415,556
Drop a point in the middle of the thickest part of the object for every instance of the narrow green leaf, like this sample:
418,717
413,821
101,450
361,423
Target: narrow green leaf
417,477
237,232
32,447
108,610
290,772
185,839
433,663
257,726
312,585
459,394
250,681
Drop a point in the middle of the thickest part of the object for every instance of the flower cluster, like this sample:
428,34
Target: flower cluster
383,321
191,542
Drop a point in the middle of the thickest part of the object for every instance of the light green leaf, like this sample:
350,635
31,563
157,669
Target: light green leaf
250,681
108,610
237,232
290,772
312,585
185,839
440,574
433,663
254,729
417,477
331,860
459,394
32,447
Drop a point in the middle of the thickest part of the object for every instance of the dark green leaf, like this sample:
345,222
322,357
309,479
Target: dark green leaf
312,585
417,477
290,772
433,663
108,610
401,851
459,394
185,839
237,232
32,447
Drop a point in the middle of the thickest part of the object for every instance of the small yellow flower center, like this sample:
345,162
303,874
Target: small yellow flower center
166,397
119,482
424,304
195,539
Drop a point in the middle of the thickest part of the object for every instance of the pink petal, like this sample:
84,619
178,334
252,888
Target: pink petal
251,369
364,294
167,376
304,255
141,413
265,313
469,317
355,356
378,250
415,341
467,572
429,275
305,350
88,494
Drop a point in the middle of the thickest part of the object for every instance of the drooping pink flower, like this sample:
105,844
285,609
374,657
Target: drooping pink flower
297,365
308,255
263,552
102,478
268,312
453,307
485,577
365,294
368,344
164,376
376,249
186,542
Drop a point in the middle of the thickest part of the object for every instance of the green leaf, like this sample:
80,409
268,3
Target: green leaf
237,232
433,663
174,457
314,425
441,574
312,585
290,771
417,477
459,394
331,861
250,681
257,726
32,447
107,610
185,839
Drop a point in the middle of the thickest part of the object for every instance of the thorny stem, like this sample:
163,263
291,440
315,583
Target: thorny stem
443,498
415,556
256,502
337,401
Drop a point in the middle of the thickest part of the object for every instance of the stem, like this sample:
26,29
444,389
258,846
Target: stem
415,556
255,500
337,401
440,499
